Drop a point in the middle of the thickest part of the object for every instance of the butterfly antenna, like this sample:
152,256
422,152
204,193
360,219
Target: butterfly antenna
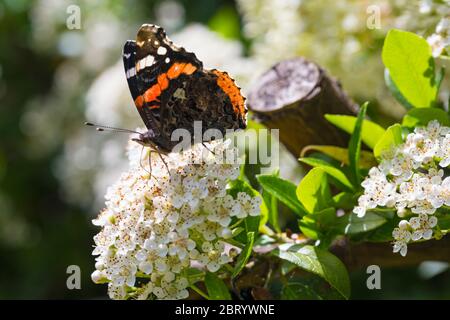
206,147
108,128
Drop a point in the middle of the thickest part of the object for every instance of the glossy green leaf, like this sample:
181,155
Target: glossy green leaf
394,90
350,223
392,137
272,205
328,168
344,200
283,190
366,160
408,58
319,262
421,117
299,291
354,146
371,131
245,254
313,190
318,225
217,290
194,275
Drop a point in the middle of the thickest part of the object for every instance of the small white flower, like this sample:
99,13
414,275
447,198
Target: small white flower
422,226
401,236
437,43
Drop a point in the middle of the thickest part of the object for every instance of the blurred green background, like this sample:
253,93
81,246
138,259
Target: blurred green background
54,171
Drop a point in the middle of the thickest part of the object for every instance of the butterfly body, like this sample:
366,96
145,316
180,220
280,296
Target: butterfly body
172,90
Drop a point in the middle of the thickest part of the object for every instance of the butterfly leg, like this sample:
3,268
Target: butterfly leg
140,161
150,161
165,163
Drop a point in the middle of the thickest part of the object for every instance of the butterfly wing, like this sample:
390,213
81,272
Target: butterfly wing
171,90
151,63
135,85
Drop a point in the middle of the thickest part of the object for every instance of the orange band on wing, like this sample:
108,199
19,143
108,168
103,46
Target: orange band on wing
189,69
139,102
175,70
229,87
152,93
163,79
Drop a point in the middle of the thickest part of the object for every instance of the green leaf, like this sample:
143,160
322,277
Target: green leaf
319,225
408,58
440,77
245,254
394,90
384,232
421,117
354,146
299,291
392,137
344,200
367,160
313,190
225,22
194,275
328,168
350,224
283,190
371,131
319,262
444,222
272,205
217,290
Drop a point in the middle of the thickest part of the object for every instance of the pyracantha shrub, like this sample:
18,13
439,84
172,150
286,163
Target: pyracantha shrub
155,228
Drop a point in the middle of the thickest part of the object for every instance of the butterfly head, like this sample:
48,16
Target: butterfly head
147,139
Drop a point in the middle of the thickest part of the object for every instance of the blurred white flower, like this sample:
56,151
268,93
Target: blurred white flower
153,228
440,40
335,34
217,52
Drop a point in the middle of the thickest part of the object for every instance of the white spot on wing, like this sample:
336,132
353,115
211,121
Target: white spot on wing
146,62
142,64
167,60
131,72
161,51
149,60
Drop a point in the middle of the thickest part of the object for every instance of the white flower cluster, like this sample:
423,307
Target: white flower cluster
440,40
411,179
154,229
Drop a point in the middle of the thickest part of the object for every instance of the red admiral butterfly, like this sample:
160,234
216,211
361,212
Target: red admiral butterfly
171,90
